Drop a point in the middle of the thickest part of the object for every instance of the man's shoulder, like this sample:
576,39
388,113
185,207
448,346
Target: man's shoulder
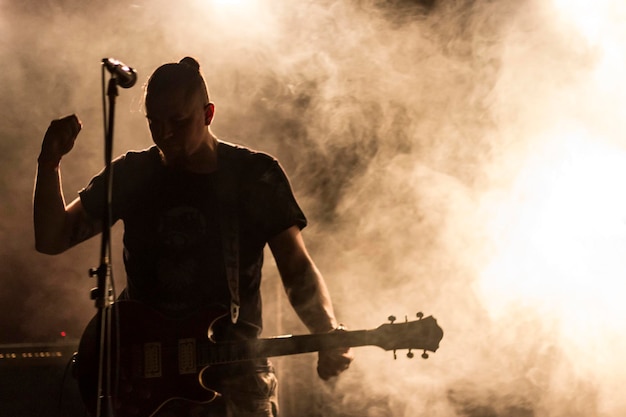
137,166
239,155
147,154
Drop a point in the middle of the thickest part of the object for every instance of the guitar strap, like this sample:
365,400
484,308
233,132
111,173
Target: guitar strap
227,187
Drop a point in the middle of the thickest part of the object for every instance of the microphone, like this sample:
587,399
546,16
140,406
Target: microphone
125,75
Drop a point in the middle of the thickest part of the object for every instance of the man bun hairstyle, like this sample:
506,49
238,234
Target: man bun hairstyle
191,62
185,75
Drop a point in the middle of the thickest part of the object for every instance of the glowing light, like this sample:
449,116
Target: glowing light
562,241
236,19
587,16
232,3
233,7
601,23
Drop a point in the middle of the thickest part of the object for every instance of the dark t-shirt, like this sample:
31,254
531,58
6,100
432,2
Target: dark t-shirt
173,224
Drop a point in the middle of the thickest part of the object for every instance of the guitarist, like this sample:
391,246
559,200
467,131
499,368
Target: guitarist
197,213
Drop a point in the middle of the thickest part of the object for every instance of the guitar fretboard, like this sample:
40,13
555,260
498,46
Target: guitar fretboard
221,353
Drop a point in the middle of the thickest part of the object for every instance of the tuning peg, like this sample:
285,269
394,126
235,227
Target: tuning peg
410,354
394,355
420,315
391,319
425,355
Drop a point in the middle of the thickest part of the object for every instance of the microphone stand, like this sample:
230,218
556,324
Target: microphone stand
103,294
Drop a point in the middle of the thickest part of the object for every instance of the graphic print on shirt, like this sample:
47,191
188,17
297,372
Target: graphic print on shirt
181,275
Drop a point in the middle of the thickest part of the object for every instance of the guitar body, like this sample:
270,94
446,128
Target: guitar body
156,360
155,357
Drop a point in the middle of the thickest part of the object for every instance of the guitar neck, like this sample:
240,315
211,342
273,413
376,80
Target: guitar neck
229,352
292,345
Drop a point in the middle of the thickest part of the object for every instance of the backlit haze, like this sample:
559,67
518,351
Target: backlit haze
461,158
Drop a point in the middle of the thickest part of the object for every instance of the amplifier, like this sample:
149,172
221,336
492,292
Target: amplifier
37,354
36,380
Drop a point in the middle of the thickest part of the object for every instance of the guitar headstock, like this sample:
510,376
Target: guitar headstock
422,334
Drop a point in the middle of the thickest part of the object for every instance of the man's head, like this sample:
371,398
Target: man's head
184,76
178,109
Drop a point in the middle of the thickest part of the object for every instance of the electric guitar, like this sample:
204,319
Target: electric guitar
157,360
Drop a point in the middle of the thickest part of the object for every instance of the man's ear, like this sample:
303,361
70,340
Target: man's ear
209,112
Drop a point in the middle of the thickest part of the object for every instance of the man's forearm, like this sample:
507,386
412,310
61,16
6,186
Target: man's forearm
311,301
48,209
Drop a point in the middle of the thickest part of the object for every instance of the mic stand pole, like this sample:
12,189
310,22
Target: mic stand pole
103,293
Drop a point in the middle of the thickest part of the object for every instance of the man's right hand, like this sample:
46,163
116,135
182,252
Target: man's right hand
59,139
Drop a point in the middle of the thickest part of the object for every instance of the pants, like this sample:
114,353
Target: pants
252,394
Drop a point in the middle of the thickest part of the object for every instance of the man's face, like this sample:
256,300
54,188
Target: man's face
177,123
